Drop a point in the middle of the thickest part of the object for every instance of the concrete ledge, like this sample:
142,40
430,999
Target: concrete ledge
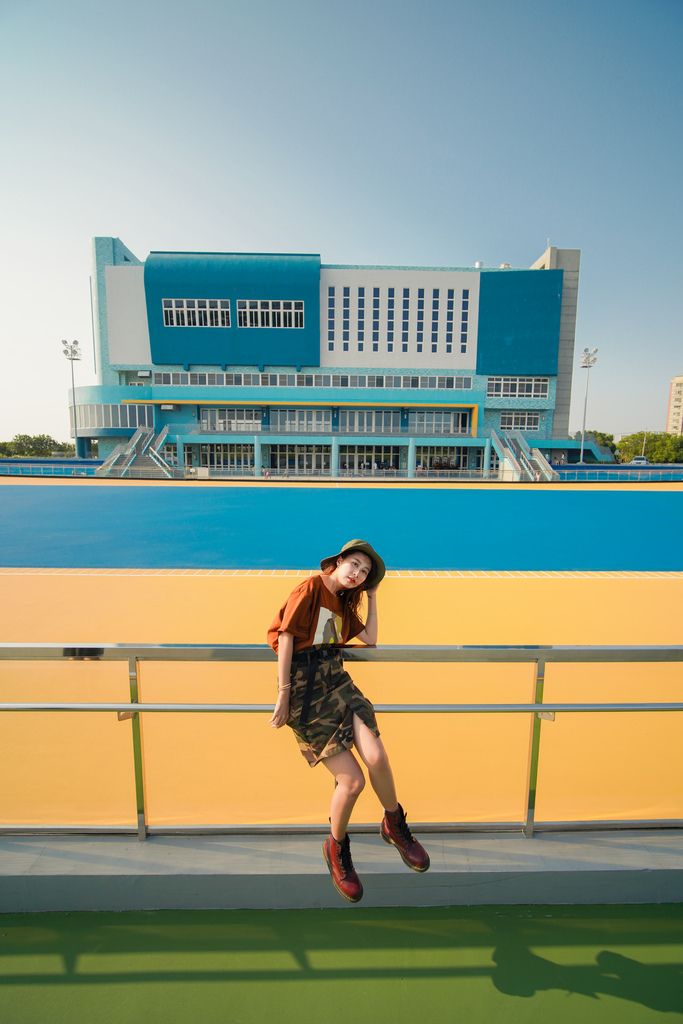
236,872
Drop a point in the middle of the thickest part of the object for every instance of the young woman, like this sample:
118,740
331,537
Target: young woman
328,714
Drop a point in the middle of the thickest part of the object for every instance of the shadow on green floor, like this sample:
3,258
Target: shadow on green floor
467,963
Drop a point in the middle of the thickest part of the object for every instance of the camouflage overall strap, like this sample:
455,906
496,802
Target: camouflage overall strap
313,662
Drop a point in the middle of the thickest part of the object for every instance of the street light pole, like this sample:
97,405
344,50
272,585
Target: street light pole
588,359
73,353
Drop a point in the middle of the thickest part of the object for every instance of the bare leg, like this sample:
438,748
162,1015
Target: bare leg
374,757
350,784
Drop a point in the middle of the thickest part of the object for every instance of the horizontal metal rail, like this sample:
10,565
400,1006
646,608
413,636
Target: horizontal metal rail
426,653
393,709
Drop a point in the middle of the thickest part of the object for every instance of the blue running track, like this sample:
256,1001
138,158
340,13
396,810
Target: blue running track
293,527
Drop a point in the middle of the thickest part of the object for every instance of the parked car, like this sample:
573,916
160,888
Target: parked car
639,460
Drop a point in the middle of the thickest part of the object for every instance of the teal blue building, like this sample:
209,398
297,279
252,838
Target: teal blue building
273,363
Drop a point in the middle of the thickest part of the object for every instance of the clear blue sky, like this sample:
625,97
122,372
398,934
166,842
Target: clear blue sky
373,131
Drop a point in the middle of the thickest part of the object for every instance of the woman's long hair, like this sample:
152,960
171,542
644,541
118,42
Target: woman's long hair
352,599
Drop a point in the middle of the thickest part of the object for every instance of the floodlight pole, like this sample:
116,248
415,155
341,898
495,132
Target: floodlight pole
72,353
588,359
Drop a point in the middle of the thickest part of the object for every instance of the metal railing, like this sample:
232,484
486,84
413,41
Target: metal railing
26,469
601,473
536,656
322,430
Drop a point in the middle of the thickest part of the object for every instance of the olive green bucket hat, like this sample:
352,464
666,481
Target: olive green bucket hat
378,567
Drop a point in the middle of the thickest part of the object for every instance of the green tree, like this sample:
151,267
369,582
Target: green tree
659,447
38,446
606,440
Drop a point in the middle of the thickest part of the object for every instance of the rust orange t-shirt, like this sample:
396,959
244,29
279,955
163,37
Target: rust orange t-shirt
314,616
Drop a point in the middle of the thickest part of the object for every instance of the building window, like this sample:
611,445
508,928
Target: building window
330,346
128,417
270,313
517,387
390,347
330,314
438,422
308,380
196,312
224,420
526,421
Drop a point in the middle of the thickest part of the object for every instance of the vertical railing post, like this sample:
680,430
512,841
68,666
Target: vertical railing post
134,682
534,747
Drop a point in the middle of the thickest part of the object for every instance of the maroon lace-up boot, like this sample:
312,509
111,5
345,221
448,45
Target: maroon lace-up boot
394,829
344,877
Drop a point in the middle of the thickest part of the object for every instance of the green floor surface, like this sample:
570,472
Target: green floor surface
479,964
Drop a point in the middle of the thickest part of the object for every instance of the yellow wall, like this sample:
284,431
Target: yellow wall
218,769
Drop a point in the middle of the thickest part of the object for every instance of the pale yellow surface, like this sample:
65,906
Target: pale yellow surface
214,769
611,766
220,768
486,608
66,768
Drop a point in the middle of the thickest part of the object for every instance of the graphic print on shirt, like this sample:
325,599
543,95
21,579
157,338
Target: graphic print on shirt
328,629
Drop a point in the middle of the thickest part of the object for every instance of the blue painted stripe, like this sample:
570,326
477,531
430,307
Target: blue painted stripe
287,527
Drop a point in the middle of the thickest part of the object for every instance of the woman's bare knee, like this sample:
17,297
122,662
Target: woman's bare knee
376,758
352,785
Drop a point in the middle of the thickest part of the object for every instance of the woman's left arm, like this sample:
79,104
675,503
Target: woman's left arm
369,634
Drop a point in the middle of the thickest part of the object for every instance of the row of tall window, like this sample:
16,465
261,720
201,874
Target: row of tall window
352,458
222,420
248,420
397,319
216,313
311,380
106,416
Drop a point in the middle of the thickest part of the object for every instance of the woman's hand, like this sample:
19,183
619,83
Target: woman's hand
369,634
281,713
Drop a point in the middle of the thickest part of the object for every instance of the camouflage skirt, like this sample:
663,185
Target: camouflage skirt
322,702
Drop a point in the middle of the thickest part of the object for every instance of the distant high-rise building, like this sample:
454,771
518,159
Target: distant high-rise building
674,418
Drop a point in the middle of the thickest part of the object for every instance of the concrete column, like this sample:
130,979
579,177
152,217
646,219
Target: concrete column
257,455
180,457
411,457
487,458
334,457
